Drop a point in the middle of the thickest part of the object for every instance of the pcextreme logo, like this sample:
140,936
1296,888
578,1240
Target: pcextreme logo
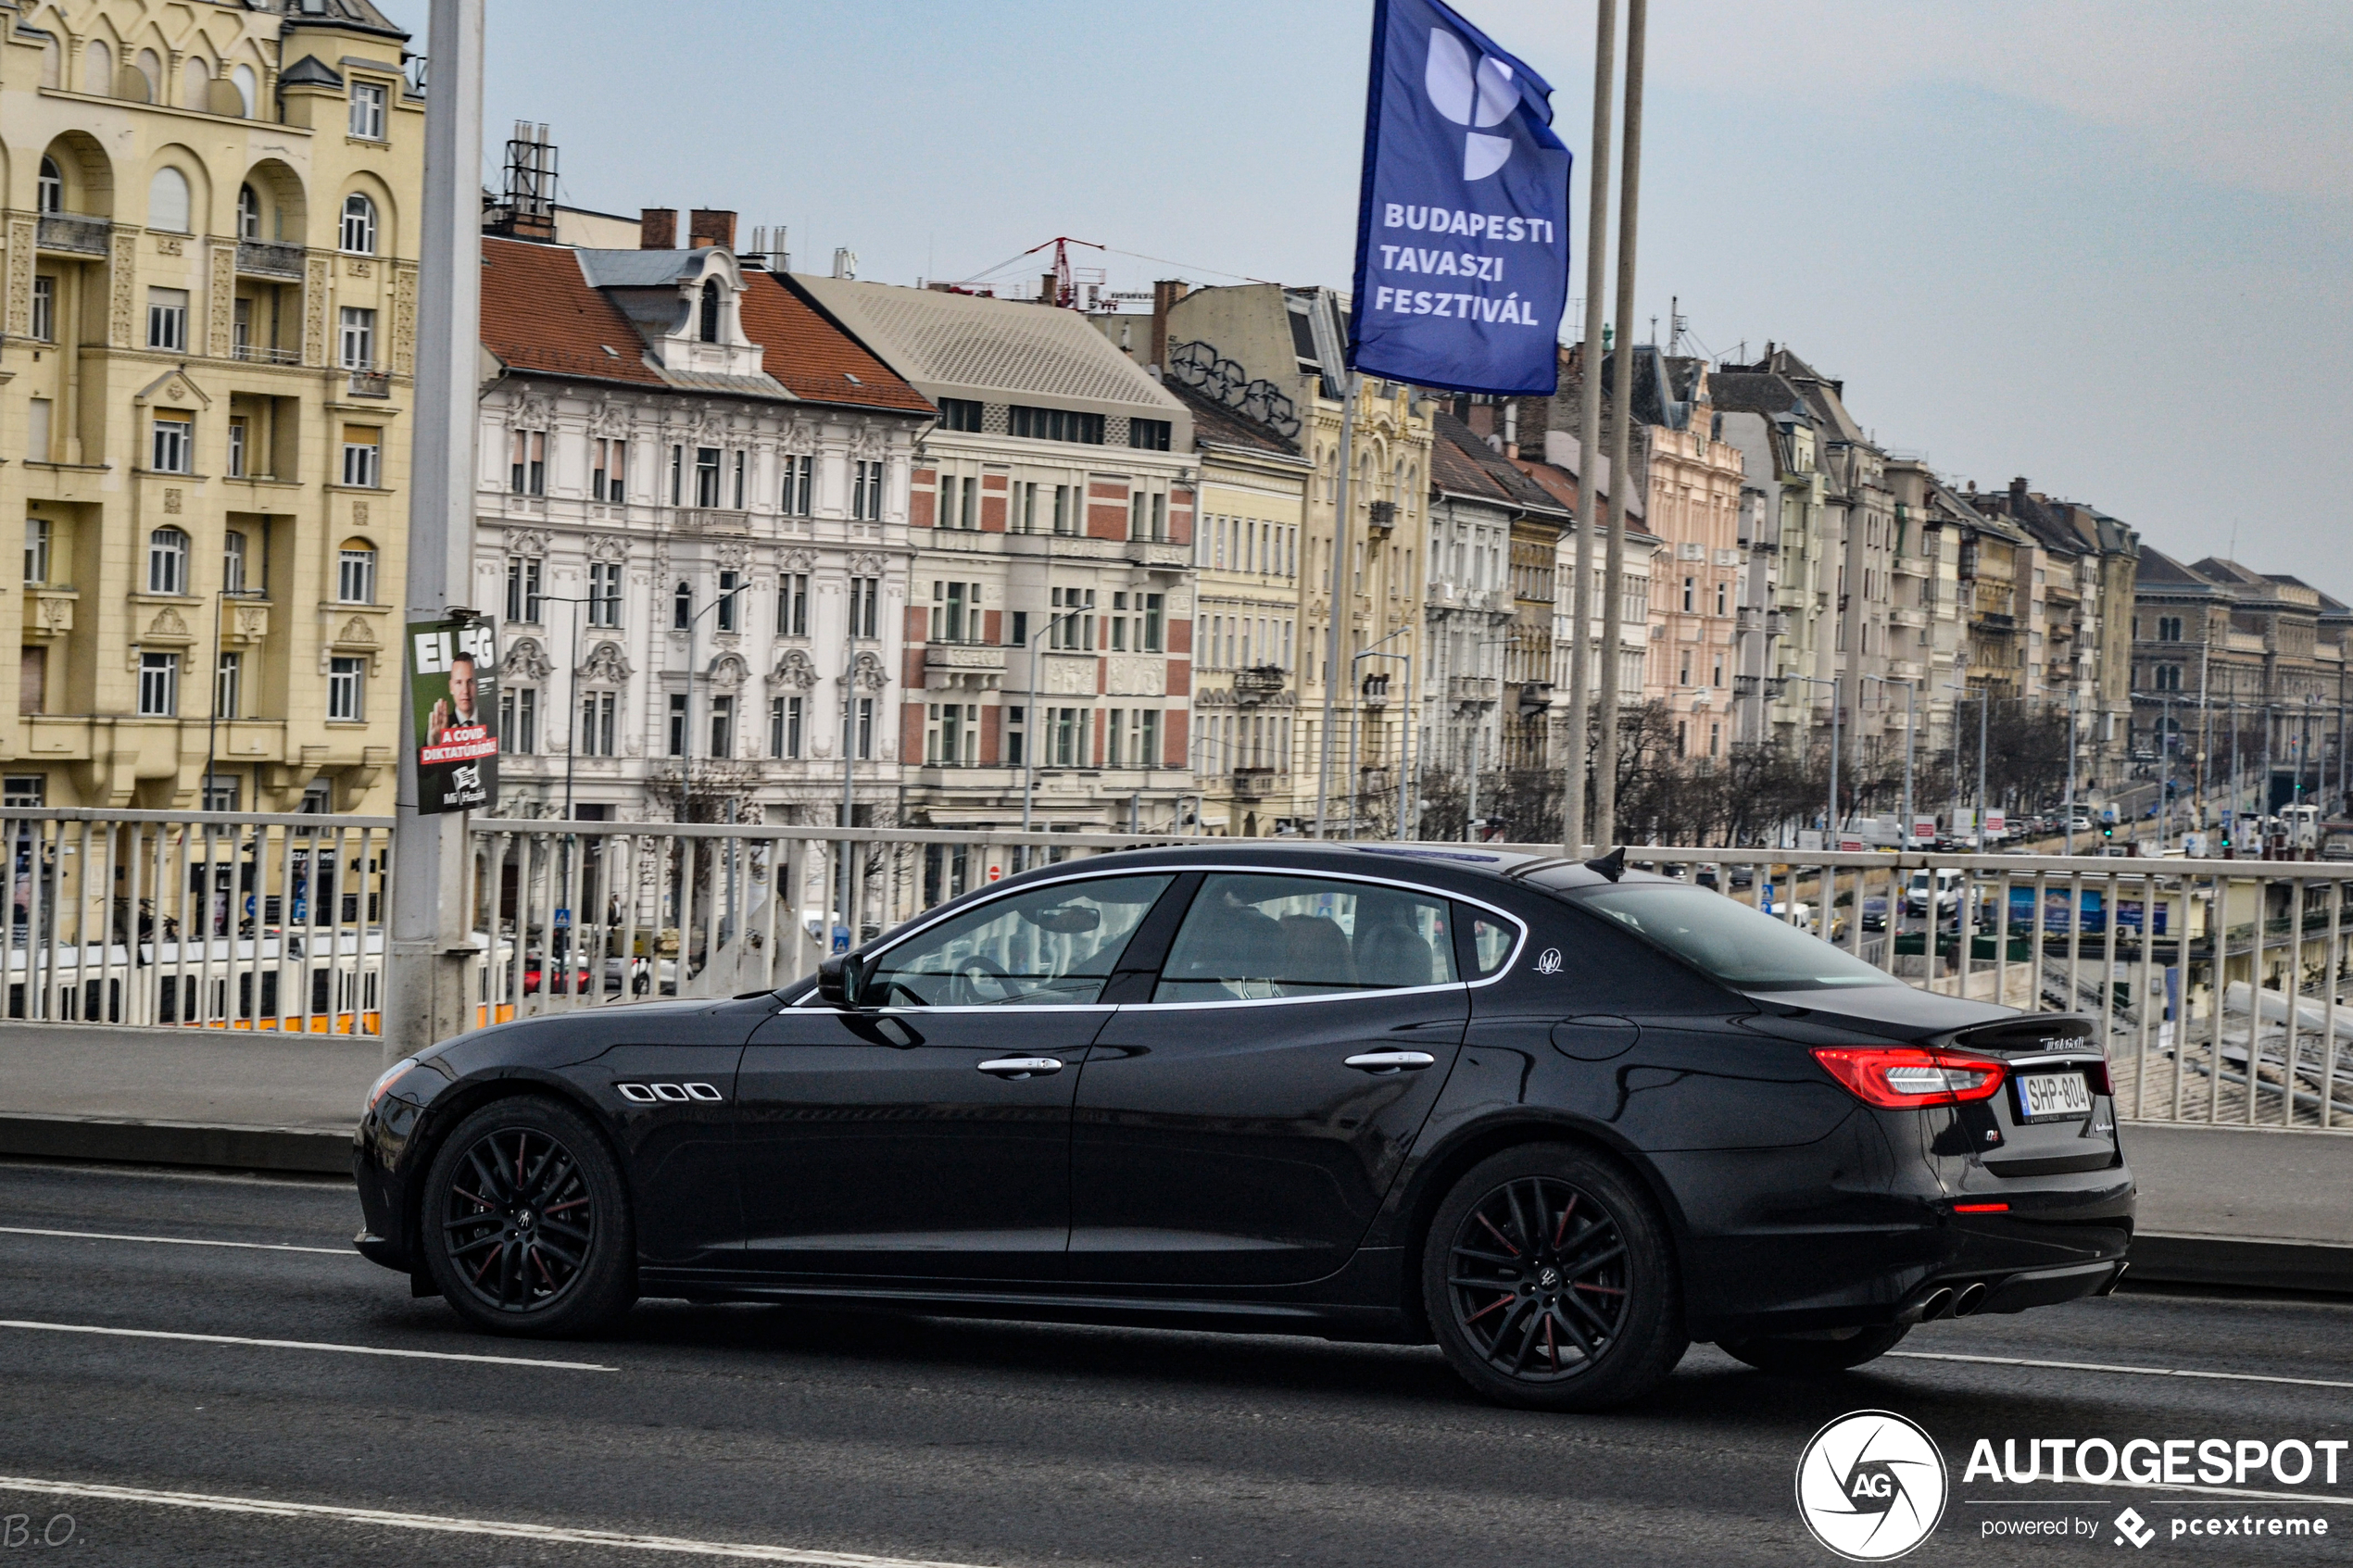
1871,1485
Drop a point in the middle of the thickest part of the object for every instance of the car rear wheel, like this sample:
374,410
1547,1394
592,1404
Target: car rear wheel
1813,1356
526,1228
1551,1282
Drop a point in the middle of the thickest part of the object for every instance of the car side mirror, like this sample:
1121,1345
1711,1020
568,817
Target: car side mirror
838,982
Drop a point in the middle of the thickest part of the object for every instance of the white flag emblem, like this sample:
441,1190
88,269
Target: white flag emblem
1480,97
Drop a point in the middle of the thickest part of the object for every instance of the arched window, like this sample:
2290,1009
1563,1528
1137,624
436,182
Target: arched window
148,89
97,69
196,83
168,201
681,607
246,84
711,310
358,225
167,561
52,65
248,213
52,196
356,573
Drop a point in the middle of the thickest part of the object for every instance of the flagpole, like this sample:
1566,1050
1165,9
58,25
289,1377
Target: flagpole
1343,543
1621,484
1589,431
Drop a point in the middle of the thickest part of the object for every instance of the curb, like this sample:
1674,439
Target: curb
319,1151
2271,1265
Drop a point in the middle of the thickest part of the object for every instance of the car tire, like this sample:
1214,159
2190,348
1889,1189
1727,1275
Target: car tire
1550,1280
525,1224
1804,1357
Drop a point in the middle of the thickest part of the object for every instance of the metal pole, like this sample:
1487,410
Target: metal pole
430,913
1984,707
1589,438
1356,723
1470,803
1405,753
1343,531
2068,805
1036,729
1830,824
1622,408
1911,690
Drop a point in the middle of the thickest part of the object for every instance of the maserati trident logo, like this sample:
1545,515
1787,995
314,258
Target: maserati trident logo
1871,1485
1549,961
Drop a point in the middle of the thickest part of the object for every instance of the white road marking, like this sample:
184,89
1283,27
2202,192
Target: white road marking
2135,1371
299,1345
449,1525
180,1241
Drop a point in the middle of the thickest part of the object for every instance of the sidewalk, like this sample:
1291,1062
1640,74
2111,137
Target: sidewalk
2218,1206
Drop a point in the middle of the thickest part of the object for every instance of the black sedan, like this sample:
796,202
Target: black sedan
1560,1118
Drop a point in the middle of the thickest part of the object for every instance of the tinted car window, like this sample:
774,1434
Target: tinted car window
1041,947
1731,941
1491,938
1248,937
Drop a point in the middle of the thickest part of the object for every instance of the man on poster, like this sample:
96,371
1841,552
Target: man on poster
454,698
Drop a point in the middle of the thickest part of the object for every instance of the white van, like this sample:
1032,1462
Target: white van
1942,886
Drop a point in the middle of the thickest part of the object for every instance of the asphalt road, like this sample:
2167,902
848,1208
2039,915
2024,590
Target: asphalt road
994,1443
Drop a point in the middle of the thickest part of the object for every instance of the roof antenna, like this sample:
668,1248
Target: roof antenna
1611,866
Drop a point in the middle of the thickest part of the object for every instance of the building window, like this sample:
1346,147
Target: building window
248,213
798,486
677,474
1722,600
158,684
51,195
358,235
608,476
356,573
959,413
2169,628
368,110
232,561
527,463
362,457
1017,629
1690,601
44,309
792,605
951,734
1070,737
343,689
865,606
2168,677
175,443
677,723
604,593
167,201
1150,629
599,715
356,339
955,612
722,726
866,491
1148,516
681,607
1065,509
785,715
228,685
742,470
37,536
524,574
1074,629
709,325
167,561
1057,424
24,790
707,476
1148,435
519,719
862,729
730,585
238,428
1016,736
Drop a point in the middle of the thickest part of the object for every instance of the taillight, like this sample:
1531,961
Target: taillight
1904,1077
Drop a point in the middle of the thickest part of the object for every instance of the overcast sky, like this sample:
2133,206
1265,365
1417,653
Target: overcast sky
2102,244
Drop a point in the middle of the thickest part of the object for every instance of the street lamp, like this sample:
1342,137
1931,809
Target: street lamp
1356,723
1036,728
212,723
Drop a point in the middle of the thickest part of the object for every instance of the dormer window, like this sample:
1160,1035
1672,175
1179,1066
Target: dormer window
709,332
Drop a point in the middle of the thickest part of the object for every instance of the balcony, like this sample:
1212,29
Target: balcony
1381,517
1253,783
1469,689
1375,691
371,383
255,354
968,667
1258,683
75,234
705,520
1157,554
263,259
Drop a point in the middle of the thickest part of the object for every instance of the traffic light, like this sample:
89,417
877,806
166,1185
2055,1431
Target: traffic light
2226,832
2107,830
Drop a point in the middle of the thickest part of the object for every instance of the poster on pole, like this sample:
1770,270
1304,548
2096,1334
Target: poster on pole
453,691
1461,221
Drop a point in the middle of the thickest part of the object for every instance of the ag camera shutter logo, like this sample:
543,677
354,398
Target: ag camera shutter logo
1871,1485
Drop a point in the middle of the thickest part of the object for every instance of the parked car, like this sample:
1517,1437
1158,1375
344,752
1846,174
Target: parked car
1247,1086
1875,913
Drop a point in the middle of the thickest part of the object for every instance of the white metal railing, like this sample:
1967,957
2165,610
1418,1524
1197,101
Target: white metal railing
209,919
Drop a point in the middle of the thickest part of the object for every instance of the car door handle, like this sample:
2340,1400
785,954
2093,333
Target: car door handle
1391,1062
1021,1067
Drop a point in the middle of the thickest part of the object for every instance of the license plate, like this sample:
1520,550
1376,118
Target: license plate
2053,1096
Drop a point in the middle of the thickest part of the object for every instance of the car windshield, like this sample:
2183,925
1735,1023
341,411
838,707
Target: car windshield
1731,941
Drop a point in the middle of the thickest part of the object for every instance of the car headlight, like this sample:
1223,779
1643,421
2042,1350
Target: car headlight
391,1075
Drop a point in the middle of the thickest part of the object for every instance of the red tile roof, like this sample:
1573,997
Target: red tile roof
539,313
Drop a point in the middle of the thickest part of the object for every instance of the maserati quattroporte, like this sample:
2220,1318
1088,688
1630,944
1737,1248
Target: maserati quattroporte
1558,1117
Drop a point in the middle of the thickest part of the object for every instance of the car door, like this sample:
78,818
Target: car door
1242,1127
925,1133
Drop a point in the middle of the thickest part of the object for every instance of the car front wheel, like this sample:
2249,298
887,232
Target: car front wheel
526,1226
1550,1280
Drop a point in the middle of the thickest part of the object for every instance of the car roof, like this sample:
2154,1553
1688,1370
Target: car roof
1461,866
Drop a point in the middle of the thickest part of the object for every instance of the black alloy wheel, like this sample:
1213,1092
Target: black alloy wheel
526,1228
1551,1282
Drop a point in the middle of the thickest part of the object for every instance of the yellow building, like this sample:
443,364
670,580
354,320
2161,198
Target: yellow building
210,322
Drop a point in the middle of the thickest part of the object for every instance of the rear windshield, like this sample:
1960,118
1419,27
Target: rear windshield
1731,941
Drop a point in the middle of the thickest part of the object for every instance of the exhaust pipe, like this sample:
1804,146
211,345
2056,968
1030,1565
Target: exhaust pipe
1935,1305
1967,1301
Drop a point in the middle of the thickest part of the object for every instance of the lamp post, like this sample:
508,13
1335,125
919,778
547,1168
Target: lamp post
212,722
1356,720
1036,729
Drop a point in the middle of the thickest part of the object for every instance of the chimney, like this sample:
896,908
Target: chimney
1166,291
1511,429
658,228
709,226
1049,289
2017,496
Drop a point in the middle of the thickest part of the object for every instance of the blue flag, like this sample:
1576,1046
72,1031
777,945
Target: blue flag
1462,228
